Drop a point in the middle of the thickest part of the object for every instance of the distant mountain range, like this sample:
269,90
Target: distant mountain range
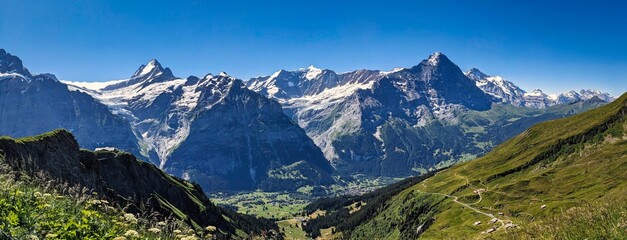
213,130
408,120
289,129
508,92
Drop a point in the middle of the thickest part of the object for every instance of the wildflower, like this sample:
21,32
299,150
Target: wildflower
32,237
131,233
176,231
154,230
37,194
130,217
119,238
161,224
211,229
181,236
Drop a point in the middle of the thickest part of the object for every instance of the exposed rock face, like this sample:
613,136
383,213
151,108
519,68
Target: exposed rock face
351,116
236,142
120,177
498,87
213,130
402,122
12,64
34,104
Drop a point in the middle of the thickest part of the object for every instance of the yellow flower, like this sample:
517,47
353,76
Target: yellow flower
177,231
211,229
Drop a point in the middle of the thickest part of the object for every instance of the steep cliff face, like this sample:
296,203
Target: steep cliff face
122,178
235,142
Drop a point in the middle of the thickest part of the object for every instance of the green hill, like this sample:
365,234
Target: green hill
51,189
561,179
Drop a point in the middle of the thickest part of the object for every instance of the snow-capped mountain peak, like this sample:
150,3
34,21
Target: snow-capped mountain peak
312,72
475,74
536,92
435,58
152,66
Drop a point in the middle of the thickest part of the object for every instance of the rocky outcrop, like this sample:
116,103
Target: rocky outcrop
120,177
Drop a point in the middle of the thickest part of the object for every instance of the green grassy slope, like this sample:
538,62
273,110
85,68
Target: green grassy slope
90,195
579,161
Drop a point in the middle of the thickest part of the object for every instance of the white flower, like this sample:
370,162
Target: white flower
131,233
119,238
211,229
154,230
130,217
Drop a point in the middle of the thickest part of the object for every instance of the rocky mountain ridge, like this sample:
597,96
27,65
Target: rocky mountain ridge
509,93
212,130
387,122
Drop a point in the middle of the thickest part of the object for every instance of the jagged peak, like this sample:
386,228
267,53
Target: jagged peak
276,74
152,68
12,64
476,74
313,68
435,58
313,72
49,76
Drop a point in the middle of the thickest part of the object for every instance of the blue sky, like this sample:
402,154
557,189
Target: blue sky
536,44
